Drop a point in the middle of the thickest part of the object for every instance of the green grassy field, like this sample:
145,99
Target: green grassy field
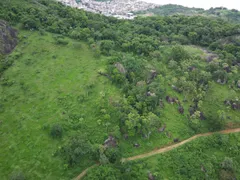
48,84
215,98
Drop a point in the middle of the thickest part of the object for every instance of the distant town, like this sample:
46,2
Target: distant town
121,9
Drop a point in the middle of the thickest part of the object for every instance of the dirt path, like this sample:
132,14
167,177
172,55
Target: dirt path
164,149
80,176
169,148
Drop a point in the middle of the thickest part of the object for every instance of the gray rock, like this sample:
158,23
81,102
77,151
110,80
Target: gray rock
162,129
8,38
120,68
238,84
110,142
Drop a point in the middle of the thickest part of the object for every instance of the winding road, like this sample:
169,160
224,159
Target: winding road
164,149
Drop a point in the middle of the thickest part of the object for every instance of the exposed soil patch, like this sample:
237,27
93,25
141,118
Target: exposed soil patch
80,176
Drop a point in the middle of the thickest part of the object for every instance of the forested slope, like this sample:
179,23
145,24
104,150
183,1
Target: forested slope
232,15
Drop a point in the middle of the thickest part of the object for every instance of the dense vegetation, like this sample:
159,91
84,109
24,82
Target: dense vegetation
232,15
77,79
215,157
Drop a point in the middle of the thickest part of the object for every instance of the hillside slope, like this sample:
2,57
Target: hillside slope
48,84
82,88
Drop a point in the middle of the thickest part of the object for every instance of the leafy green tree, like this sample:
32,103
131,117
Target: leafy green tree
106,46
150,123
227,164
178,53
193,36
76,150
214,122
133,123
222,115
80,33
118,77
56,131
113,154
30,23
103,159
195,122
172,64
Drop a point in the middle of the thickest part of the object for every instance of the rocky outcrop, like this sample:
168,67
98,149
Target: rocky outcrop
8,38
234,104
110,142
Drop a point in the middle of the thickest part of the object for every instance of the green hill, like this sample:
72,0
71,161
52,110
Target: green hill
81,88
232,15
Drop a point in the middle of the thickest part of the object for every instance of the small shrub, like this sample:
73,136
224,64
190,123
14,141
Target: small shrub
61,41
42,32
45,127
227,164
179,53
56,131
77,45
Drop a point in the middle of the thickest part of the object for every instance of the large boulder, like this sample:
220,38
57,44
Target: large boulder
151,94
120,68
8,38
141,83
238,84
211,57
150,176
152,75
110,142
181,109
161,129
222,82
234,104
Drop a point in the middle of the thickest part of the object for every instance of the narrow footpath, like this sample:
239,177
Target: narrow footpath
165,149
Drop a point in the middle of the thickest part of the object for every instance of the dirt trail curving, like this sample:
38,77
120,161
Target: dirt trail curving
164,149
169,148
